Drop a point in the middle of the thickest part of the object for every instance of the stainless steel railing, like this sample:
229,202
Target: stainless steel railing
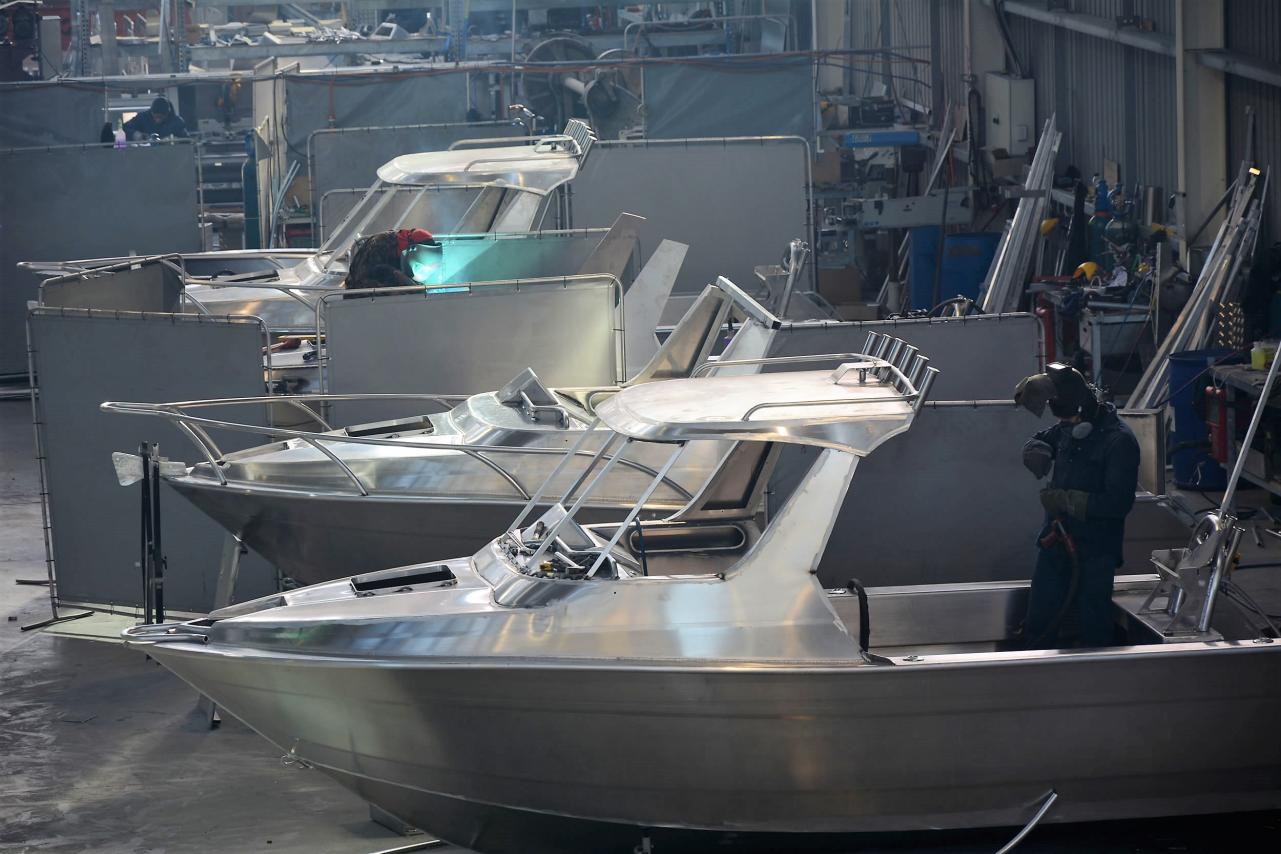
196,428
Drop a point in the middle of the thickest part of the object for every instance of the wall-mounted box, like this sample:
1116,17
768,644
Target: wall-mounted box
1010,103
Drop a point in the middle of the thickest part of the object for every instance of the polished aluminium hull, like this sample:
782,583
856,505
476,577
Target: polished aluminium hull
766,749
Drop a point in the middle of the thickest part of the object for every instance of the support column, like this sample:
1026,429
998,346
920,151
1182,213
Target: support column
830,26
984,49
1200,115
107,37
80,16
983,52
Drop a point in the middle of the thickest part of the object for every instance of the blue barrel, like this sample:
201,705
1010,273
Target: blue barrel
1194,468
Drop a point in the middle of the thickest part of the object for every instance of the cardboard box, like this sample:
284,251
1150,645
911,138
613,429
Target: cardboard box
1003,165
840,285
827,165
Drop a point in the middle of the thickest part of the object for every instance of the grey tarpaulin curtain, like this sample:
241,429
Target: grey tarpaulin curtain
51,113
707,194
368,100
464,343
343,159
153,358
986,534
87,202
740,96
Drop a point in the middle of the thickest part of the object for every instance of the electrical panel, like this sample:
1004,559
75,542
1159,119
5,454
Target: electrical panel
1010,105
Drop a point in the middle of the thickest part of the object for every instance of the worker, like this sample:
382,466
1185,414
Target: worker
377,261
1093,460
159,121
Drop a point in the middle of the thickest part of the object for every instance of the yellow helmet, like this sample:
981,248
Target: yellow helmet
1088,270
1048,225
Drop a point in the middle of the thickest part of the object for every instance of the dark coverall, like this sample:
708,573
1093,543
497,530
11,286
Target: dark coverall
146,124
1104,464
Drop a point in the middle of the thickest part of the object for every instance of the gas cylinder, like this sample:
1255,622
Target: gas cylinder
1216,418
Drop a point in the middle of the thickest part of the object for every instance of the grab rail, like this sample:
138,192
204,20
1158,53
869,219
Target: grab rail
173,260
194,427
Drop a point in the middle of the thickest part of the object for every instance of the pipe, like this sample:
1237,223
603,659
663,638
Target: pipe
1241,65
1090,25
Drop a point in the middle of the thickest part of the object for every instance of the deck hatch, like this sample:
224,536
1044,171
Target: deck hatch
397,578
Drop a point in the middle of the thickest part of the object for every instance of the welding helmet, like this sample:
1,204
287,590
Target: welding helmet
1063,388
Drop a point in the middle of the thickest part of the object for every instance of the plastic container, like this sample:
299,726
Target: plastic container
1262,354
1194,468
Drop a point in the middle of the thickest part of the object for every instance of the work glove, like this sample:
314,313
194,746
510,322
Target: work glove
1038,457
1066,502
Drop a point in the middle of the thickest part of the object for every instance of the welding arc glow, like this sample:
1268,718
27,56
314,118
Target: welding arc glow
425,263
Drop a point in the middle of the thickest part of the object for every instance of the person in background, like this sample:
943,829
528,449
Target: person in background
377,260
159,121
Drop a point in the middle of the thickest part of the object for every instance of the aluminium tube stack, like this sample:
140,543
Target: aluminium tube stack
1191,330
1003,286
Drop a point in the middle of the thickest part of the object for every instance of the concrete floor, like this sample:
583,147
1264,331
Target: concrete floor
100,750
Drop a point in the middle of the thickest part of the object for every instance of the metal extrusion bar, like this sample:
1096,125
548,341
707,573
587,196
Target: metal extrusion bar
551,535
1233,246
1003,285
546,484
636,509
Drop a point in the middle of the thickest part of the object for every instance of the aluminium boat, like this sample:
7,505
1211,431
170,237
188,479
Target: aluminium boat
320,501
470,194
580,687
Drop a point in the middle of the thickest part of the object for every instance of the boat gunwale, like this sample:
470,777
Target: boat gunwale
811,667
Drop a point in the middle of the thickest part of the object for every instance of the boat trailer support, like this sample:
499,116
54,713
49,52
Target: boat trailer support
152,558
1050,798
53,621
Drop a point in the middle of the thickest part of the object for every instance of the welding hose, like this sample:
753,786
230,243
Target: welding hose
1058,534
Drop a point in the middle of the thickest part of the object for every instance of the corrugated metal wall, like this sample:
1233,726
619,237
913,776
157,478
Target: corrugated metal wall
865,32
949,52
927,30
1113,102
906,25
1253,27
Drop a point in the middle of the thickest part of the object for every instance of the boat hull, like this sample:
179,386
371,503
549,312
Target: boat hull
506,756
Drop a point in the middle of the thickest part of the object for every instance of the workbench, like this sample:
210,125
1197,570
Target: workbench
1102,328
1238,381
